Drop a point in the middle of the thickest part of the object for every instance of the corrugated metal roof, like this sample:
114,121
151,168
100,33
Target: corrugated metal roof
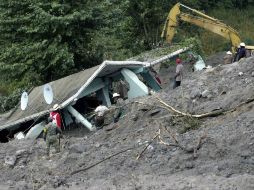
65,91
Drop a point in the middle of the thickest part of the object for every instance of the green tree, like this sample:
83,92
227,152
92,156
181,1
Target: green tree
43,40
144,19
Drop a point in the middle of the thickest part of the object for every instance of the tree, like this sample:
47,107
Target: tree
144,19
43,40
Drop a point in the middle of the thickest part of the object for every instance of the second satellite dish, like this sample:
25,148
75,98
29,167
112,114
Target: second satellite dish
48,93
24,100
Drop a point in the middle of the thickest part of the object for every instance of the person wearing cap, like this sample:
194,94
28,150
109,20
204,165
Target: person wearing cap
179,73
51,135
228,58
100,112
122,87
119,107
241,52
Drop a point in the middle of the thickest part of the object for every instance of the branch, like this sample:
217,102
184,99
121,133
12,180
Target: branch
209,114
188,150
97,163
171,108
140,154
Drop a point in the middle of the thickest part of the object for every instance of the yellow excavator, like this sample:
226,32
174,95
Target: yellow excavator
203,21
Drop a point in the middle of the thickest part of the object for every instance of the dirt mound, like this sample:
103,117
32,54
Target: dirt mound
175,151
215,59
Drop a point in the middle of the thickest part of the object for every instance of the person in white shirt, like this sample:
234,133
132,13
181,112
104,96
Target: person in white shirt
100,112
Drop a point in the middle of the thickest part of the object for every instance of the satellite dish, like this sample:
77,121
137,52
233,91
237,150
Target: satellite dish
48,93
24,100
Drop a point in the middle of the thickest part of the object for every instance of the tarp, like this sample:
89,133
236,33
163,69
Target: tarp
35,131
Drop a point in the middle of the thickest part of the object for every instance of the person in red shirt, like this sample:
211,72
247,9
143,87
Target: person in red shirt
56,117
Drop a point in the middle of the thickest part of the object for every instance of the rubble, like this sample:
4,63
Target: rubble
183,152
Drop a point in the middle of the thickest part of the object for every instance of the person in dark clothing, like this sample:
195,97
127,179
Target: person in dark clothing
119,107
51,134
241,52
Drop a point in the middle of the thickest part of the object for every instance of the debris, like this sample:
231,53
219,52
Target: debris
97,145
220,147
150,147
240,74
77,148
140,154
19,135
209,114
186,149
111,127
10,160
95,164
154,112
195,93
35,131
206,94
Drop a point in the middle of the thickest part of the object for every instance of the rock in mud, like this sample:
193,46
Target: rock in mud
195,93
206,94
77,148
10,160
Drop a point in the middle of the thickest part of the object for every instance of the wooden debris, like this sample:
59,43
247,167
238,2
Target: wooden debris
99,162
140,154
209,114
189,149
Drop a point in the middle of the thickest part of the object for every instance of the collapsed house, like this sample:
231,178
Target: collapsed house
76,93
79,93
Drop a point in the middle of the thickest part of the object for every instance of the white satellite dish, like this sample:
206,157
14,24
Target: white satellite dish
48,93
24,100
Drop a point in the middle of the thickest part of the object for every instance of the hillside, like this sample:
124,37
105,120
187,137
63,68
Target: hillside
183,152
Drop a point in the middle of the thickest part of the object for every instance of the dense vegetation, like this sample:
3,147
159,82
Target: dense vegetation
43,40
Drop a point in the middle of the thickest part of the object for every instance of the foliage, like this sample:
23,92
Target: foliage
189,123
10,101
195,45
45,40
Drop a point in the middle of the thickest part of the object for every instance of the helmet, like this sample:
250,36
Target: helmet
56,106
229,53
242,44
116,95
178,61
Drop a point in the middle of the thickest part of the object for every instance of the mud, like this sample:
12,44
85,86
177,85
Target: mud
224,160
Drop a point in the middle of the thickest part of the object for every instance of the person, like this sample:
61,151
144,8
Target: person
56,117
228,58
121,86
51,134
241,52
179,73
155,75
119,107
192,60
100,112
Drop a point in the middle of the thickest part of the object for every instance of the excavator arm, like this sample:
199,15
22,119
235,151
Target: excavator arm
203,21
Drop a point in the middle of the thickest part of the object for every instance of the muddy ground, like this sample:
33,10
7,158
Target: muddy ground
184,152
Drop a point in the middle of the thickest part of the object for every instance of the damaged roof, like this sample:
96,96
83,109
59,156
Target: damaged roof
65,91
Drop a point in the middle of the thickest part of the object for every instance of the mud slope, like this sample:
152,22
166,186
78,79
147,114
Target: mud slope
208,153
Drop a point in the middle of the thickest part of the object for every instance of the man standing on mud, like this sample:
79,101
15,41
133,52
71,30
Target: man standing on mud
241,52
119,106
228,58
179,73
51,134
